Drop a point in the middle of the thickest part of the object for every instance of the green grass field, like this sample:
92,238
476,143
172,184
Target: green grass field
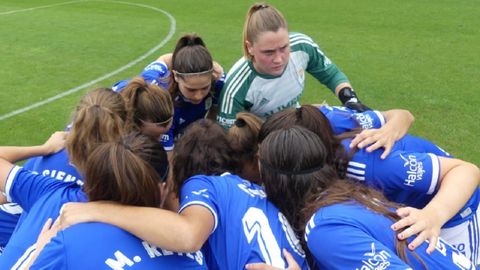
420,55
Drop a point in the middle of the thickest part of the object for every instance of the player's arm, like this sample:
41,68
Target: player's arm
327,73
458,180
12,154
185,232
398,122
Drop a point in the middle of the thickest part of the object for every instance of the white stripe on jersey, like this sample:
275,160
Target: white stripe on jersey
356,170
360,172
357,164
435,173
234,86
310,225
9,182
361,178
25,258
215,217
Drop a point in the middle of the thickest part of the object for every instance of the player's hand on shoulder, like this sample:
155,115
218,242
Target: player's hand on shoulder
74,212
55,143
217,71
374,139
424,223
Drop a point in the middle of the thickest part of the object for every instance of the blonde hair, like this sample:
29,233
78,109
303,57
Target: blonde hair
99,117
261,17
146,102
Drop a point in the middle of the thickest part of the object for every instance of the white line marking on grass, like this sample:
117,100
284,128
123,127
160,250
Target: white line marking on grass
106,76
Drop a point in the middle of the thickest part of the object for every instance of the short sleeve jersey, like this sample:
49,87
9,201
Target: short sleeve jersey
263,95
185,112
56,166
350,236
409,175
247,227
109,247
41,197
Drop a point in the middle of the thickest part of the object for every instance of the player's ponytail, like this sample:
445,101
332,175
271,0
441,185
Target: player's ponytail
242,137
299,180
127,171
99,117
146,102
261,17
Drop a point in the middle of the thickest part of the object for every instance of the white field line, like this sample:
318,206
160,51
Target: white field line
103,77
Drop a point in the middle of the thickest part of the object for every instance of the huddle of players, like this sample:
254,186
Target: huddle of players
232,197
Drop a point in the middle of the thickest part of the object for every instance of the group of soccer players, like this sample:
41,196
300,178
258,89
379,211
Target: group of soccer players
184,166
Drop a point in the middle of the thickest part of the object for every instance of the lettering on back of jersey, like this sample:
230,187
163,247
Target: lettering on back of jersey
364,120
154,251
252,192
414,170
121,261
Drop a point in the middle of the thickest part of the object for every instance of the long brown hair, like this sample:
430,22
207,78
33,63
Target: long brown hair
243,140
312,118
190,57
127,171
261,17
146,102
203,149
99,117
299,180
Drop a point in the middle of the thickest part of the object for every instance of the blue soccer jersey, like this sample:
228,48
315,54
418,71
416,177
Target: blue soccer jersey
41,197
56,166
104,246
247,227
343,119
350,236
409,175
185,112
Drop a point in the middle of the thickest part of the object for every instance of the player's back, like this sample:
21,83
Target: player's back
104,246
248,228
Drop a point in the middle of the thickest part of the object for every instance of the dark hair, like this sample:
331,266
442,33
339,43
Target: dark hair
190,57
202,149
146,102
99,117
127,172
299,180
261,17
313,119
243,140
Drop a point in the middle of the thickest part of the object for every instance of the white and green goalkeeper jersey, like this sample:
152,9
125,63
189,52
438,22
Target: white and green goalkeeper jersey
264,95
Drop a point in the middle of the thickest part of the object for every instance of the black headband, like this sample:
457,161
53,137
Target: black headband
307,171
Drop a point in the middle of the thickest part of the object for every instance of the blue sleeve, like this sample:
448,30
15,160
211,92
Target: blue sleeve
198,190
416,172
343,119
25,187
337,245
53,255
167,140
157,73
118,86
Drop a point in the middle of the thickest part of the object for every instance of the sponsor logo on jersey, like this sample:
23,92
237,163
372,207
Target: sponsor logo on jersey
414,170
375,260
263,101
225,121
364,120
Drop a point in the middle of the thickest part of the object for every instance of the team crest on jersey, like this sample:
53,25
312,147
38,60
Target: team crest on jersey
375,260
301,73
364,120
414,170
